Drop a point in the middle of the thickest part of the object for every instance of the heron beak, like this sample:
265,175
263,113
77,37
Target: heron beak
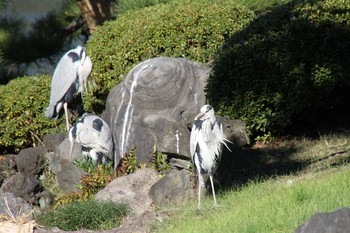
71,150
201,114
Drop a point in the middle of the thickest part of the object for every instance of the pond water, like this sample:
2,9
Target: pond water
30,11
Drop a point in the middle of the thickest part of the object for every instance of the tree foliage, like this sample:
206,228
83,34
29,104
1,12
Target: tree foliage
190,29
23,121
289,67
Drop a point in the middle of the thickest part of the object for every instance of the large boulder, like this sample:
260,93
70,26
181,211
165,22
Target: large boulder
337,221
155,105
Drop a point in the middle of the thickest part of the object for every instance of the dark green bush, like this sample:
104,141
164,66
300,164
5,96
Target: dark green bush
289,68
191,29
22,118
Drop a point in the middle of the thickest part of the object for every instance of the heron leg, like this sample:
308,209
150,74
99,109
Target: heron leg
65,106
213,190
200,184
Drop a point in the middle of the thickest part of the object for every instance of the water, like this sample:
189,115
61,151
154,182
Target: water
30,11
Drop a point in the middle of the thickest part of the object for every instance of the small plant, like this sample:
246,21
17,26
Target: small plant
128,164
160,163
91,215
86,164
49,181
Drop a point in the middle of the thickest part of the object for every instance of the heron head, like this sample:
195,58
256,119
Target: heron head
206,112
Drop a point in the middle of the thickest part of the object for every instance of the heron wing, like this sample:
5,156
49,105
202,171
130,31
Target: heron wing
84,72
101,135
64,76
194,137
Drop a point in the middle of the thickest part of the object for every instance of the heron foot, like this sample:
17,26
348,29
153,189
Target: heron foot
214,206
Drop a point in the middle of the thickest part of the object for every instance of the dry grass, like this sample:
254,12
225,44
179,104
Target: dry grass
16,224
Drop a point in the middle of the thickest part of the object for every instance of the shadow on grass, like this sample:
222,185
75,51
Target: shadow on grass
239,167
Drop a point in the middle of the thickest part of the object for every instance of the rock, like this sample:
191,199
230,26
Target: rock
154,105
132,189
67,174
7,167
31,161
9,204
174,188
21,185
64,150
235,131
51,141
180,163
337,221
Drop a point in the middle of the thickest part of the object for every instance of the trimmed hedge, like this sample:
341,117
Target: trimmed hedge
288,68
191,29
22,115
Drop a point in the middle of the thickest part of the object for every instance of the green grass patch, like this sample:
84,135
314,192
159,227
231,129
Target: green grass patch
91,215
275,205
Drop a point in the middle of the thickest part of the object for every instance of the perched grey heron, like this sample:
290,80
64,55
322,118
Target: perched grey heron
206,144
94,135
69,80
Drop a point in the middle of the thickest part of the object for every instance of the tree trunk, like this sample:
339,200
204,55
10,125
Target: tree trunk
95,12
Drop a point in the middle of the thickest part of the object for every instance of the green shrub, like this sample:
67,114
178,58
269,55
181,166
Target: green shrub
123,6
22,118
191,29
90,215
288,68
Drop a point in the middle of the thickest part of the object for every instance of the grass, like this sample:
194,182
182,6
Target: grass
91,215
279,203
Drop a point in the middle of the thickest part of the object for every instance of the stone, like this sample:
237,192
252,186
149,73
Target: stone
21,185
64,150
180,163
132,190
154,105
7,167
235,131
30,161
51,141
176,187
12,205
69,177
337,221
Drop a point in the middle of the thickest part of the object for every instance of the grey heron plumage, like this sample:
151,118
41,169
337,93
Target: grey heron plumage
69,80
94,135
206,144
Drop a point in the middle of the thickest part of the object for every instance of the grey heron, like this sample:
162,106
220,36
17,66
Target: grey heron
206,144
93,133
69,80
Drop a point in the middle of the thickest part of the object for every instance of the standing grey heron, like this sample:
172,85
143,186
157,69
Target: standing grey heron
93,133
69,80
206,144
